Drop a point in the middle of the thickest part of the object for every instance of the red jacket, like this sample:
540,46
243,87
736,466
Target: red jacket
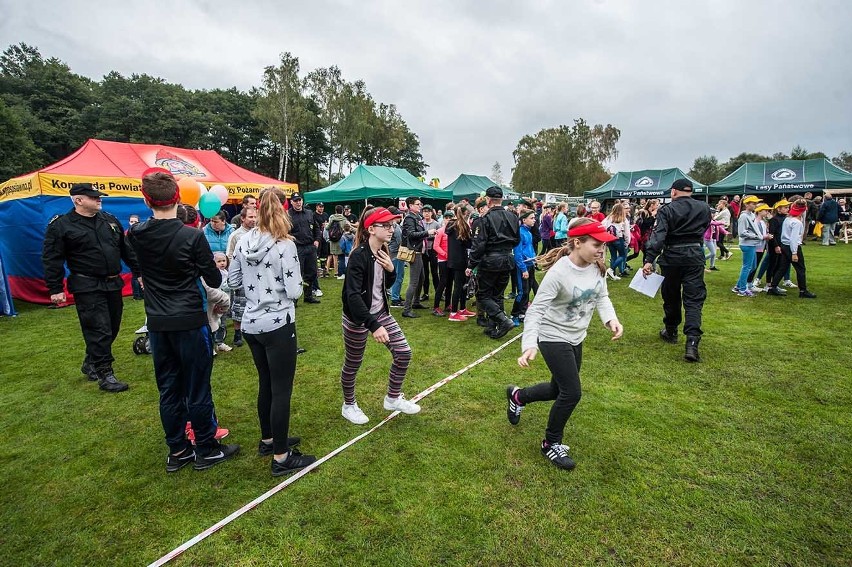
440,244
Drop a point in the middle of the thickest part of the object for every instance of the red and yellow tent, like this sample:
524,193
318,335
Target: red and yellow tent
28,202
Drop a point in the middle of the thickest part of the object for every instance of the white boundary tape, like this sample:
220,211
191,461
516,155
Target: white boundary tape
290,480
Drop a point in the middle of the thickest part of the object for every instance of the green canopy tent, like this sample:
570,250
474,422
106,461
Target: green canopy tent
376,182
647,183
787,176
470,187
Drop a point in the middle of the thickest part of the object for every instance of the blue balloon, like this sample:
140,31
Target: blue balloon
209,204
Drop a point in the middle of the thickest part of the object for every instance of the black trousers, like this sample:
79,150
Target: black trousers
684,287
100,320
563,360
444,286
430,269
308,263
274,355
489,296
183,363
785,260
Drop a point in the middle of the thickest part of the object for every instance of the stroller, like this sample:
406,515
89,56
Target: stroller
142,344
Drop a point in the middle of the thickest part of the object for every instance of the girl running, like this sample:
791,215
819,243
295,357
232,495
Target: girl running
556,323
365,311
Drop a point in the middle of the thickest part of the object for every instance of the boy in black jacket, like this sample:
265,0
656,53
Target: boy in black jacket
172,257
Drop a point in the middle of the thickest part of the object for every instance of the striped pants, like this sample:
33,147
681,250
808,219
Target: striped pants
354,343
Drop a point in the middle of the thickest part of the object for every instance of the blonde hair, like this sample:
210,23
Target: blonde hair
616,215
548,259
271,217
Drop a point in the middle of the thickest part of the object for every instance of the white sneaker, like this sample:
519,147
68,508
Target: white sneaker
611,275
143,329
789,283
341,277
354,414
222,347
401,404
318,293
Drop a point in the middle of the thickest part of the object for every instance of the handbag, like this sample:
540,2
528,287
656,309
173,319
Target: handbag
405,254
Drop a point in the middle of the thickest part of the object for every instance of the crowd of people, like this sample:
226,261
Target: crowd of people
255,271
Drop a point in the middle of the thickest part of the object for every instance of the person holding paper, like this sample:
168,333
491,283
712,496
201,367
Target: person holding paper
556,324
676,245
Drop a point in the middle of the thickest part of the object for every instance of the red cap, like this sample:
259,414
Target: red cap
796,210
594,229
151,170
379,214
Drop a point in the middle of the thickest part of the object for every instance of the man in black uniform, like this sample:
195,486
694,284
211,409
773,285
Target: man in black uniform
321,218
306,233
494,237
92,243
676,245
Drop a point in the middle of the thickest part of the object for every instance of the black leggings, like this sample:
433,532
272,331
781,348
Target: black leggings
274,355
563,360
444,286
721,243
459,301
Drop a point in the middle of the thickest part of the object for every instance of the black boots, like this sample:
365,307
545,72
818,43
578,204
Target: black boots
504,325
691,354
669,335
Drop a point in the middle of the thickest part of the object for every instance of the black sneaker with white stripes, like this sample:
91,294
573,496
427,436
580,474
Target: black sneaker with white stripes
176,462
513,409
558,455
214,454
265,449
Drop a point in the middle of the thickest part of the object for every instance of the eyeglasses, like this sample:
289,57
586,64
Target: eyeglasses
382,225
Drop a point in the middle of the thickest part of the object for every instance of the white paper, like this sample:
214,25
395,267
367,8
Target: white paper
646,286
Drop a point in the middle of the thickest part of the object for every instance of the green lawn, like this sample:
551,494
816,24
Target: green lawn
744,459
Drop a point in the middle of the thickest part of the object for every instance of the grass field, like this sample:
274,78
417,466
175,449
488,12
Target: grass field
743,459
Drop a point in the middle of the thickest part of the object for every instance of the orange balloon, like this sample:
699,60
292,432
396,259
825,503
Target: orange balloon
189,190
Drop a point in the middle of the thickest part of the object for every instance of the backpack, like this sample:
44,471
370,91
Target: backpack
335,231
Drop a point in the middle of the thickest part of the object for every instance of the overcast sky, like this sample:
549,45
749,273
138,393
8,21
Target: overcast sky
679,79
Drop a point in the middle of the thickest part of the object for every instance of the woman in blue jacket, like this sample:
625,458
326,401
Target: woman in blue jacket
217,232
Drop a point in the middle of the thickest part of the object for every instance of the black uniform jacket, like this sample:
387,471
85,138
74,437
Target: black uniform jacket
775,226
305,229
172,257
93,248
494,237
358,287
678,235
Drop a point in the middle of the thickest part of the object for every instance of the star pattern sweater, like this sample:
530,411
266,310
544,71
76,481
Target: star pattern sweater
268,271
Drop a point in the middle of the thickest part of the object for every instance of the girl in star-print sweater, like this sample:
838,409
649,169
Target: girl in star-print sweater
266,267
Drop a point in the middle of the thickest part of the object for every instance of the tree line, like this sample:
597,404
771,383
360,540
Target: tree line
301,129
572,159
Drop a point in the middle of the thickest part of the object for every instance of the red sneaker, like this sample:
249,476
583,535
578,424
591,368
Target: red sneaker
221,433
456,317
190,434
465,313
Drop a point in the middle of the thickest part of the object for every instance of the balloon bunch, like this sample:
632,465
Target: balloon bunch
196,194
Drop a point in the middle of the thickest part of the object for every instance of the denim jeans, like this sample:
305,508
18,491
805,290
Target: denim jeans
828,232
749,256
396,288
710,244
618,255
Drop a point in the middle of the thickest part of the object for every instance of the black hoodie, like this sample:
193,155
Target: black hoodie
171,258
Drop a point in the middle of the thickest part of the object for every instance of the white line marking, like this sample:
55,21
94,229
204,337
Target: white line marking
290,480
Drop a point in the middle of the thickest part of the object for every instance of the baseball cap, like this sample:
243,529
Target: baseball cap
682,185
762,207
494,192
781,203
296,197
594,229
379,214
320,204
85,189
525,214
428,208
750,199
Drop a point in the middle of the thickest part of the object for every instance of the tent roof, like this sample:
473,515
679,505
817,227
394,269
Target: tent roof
469,186
118,159
643,183
787,176
376,182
